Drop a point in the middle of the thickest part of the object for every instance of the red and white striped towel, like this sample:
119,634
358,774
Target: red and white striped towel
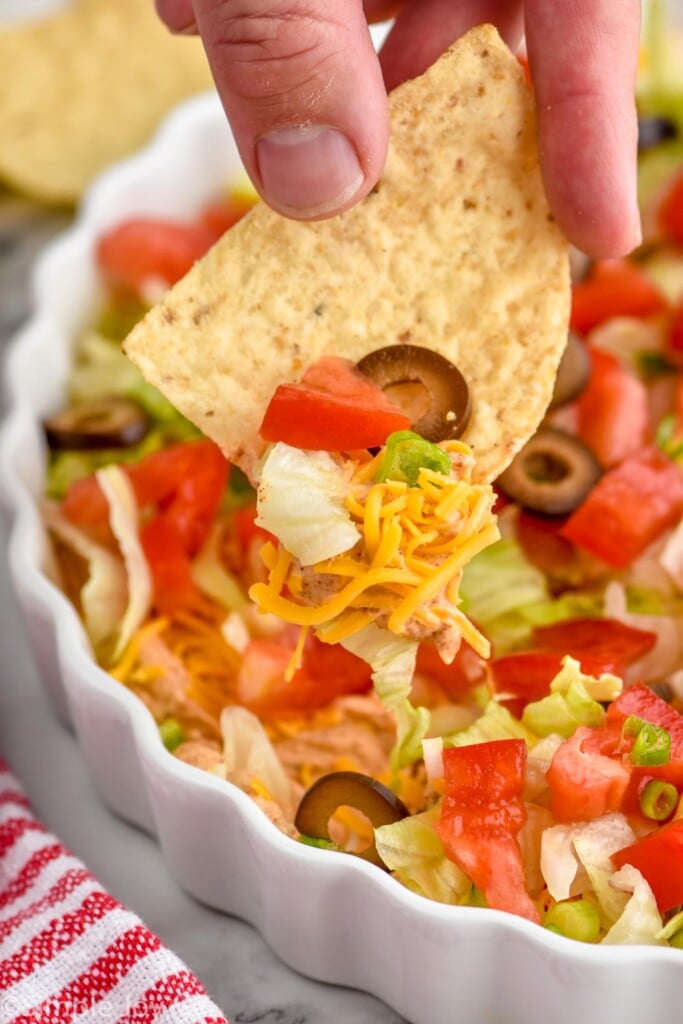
69,952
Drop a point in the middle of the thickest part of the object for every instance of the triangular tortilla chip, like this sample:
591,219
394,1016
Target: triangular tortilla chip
455,250
85,86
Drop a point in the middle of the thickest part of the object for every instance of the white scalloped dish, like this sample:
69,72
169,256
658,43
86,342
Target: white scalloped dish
327,915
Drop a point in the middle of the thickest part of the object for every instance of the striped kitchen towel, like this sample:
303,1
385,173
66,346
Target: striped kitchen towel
69,952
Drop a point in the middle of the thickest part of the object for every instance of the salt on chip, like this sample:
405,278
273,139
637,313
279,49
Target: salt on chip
455,250
85,86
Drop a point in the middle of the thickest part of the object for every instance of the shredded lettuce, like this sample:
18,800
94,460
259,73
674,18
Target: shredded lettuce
211,576
498,580
392,660
507,596
574,700
674,926
587,845
102,370
496,723
123,519
640,921
667,653
104,595
413,851
301,501
68,466
250,756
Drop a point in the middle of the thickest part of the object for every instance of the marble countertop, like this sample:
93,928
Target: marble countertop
242,975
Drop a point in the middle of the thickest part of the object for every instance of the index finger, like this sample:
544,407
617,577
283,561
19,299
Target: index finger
583,59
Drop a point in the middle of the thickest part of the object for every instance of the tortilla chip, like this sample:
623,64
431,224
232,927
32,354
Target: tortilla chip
84,87
455,250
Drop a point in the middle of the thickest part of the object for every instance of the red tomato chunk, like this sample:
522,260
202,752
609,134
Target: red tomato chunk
333,408
628,508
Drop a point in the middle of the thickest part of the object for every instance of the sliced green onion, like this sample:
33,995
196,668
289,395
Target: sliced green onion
632,726
321,844
575,919
664,438
658,799
406,453
652,746
171,733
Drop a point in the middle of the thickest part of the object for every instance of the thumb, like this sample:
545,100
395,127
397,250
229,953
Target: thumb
303,91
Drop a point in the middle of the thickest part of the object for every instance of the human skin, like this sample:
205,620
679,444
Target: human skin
306,96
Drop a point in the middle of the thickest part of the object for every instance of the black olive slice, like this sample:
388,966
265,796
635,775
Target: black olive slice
552,474
111,423
573,372
652,131
424,385
348,789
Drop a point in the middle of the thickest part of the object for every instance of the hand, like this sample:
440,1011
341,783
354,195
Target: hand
306,96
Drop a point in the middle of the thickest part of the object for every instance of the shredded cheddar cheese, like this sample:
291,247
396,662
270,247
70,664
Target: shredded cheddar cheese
405,571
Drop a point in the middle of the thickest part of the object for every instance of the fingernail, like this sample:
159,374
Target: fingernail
188,30
308,170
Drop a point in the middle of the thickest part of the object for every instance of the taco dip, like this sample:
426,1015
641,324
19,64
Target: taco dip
513,797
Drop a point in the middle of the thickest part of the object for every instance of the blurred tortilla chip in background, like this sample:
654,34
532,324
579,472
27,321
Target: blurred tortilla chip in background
84,86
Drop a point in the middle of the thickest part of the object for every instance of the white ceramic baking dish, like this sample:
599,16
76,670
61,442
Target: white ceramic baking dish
328,915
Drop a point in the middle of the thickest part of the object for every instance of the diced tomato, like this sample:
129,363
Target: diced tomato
219,217
642,702
169,566
192,507
543,544
600,645
639,700
588,776
144,248
525,676
671,209
524,61
628,508
466,670
481,817
608,640
659,858
185,482
614,288
613,412
333,408
676,329
327,671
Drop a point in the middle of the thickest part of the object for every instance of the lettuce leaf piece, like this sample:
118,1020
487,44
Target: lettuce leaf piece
123,519
101,370
412,850
665,657
507,596
104,595
211,576
500,580
250,756
574,700
66,467
589,845
496,723
672,927
301,501
640,922
392,660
